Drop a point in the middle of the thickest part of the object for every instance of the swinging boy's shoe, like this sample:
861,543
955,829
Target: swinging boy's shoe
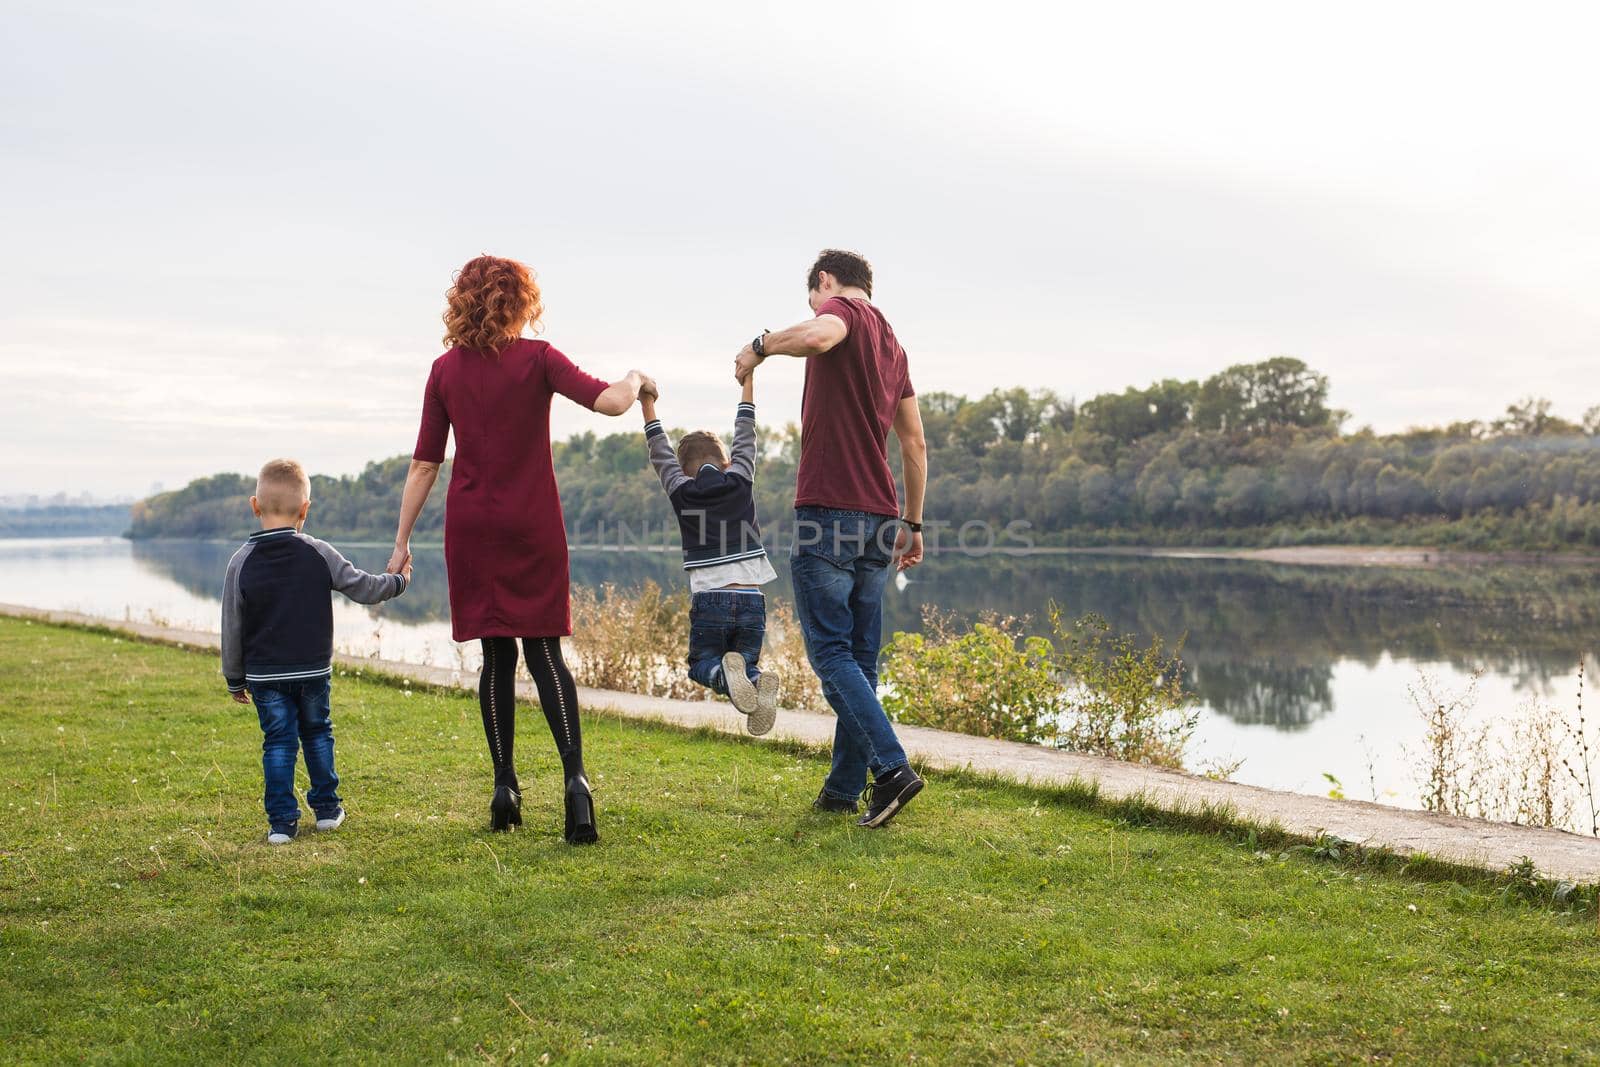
741,690
766,712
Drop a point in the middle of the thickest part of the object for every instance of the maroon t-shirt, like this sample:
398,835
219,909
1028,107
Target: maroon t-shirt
846,412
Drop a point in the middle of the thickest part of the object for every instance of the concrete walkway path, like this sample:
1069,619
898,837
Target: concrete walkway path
1475,842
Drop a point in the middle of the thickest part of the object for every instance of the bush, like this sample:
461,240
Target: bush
990,681
632,640
1083,688
1534,766
636,640
1123,700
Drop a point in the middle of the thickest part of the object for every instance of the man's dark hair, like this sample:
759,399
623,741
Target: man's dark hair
850,268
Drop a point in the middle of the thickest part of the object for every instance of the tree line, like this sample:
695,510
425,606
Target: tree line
1251,455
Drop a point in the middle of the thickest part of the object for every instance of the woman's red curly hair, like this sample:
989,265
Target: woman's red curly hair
490,303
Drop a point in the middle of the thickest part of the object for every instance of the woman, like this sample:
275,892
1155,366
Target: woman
505,543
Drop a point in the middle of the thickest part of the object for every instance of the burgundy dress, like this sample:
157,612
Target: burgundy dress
505,542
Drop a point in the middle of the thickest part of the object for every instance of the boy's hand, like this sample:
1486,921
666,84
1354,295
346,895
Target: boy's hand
405,571
241,697
648,390
400,558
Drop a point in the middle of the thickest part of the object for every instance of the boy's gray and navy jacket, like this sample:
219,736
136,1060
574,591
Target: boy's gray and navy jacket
716,508
277,614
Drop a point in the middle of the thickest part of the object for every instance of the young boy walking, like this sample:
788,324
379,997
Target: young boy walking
722,553
277,642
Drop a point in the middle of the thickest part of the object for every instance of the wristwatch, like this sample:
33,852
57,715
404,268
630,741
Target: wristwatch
914,527
759,345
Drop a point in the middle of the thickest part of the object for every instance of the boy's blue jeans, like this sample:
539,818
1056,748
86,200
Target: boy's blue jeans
720,622
295,715
840,562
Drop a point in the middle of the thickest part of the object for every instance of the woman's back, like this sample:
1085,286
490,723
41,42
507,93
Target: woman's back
499,407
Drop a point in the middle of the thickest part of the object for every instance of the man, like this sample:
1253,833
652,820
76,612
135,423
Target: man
849,523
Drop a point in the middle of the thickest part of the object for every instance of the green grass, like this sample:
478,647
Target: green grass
145,920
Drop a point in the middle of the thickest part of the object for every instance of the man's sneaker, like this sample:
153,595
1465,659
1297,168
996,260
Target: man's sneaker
766,712
887,795
741,690
831,805
283,834
331,822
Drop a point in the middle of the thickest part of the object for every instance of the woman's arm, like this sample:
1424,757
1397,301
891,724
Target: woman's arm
419,483
620,395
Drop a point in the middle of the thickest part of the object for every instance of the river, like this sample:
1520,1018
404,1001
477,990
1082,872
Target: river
1300,671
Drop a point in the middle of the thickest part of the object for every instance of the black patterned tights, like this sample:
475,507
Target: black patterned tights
497,690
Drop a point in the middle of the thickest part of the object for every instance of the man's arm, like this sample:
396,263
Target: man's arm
914,463
812,337
742,461
657,445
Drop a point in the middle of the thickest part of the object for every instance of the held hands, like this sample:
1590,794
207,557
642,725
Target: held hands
649,393
745,364
400,562
907,549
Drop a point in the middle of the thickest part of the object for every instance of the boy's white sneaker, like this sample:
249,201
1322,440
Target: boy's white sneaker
282,835
331,822
766,712
741,690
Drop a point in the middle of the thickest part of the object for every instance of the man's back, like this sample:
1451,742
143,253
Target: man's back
850,533
847,408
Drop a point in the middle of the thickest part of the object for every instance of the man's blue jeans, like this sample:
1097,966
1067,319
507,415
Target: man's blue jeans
722,621
840,564
296,714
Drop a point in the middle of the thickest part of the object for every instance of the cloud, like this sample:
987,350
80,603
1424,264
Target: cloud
227,234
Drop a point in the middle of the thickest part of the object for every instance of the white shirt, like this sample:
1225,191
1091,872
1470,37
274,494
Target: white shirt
754,571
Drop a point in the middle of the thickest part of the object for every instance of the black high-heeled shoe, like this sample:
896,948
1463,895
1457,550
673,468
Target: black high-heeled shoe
505,810
580,812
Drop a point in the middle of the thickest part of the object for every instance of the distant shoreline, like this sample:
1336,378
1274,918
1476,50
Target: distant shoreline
1299,555
1334,555
1295,555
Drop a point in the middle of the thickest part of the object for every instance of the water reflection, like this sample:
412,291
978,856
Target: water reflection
1261,640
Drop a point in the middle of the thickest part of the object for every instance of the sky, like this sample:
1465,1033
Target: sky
228,229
